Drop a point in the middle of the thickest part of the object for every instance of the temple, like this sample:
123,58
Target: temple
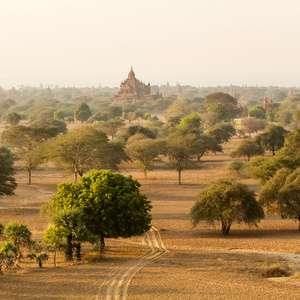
133,90
267,104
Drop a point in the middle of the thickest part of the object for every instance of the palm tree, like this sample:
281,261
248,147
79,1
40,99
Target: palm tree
39,257
19,234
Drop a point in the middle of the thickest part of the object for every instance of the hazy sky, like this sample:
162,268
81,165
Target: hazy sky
196,42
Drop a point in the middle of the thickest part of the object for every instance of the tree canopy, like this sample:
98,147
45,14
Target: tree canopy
82,112
272,138
85,148
252,124
281,194
27,141
222,132
13,118
111,203
247,148
7,170
145,152
180,149
227,201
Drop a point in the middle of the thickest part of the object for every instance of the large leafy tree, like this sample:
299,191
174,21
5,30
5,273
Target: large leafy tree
292,142
111,203
257,111
252,124
226,201
128,132
190,124
27,141
7,181
281,194
223,113
145,152
272,138
180,149
85,148
82,112
13,118
225,99
247,148
110,127
72,220
56,236
222,132
205,144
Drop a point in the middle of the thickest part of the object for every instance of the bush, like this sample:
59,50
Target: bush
275,270
235,167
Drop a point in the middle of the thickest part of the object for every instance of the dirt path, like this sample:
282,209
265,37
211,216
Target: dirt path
116,284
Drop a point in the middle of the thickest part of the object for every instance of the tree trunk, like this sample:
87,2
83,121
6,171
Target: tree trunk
179,177
225,229
40,263
273,151
75,176
78,251
102,242
29,176
69,248
54,259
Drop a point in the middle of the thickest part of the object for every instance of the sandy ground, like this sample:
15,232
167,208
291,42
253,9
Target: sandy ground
200,264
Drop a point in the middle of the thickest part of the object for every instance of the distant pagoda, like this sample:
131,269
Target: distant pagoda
133,90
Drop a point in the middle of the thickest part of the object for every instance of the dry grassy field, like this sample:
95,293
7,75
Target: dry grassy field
199,263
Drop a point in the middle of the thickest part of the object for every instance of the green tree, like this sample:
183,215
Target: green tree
111,204
272,138
222,132
13,118
227,201
225,99
19,234
84,148
58,115
205,144
247,148
179,109
39,258
292,142
114,111
281,194
251,125
72,220
221,110
110,127
8,251
145,152
284,117
127,132
27,141
82,112
258,112
7,181
189,124
56,236
180,150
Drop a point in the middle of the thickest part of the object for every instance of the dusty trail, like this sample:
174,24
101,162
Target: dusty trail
116,284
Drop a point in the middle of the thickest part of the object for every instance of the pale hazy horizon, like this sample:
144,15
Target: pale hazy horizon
199,43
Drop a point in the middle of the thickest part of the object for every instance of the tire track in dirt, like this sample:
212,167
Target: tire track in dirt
116,284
